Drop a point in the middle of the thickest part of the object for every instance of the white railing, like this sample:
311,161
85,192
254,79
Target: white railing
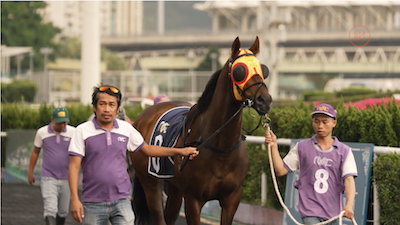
286,142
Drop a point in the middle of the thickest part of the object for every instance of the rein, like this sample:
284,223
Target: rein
202,144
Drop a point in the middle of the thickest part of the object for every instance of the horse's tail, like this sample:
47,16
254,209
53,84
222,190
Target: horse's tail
139,204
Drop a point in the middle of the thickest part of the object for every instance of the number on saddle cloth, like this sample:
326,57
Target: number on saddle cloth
166,133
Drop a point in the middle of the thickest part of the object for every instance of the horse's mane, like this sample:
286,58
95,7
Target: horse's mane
205,99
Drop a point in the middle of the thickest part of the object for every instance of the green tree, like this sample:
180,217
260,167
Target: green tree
22,25
70,47
113,60
206,64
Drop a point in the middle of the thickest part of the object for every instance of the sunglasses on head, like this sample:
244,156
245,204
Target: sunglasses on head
112,89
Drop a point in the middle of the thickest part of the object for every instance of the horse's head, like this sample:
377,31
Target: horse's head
247,75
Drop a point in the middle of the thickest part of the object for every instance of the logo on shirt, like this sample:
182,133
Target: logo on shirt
67,139
163,127
121,139
322,161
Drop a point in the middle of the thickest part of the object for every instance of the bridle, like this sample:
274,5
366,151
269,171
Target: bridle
246,102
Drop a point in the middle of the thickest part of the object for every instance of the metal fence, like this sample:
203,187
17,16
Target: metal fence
59,86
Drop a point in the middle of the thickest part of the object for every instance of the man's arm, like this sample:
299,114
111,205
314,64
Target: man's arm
158,151
279,167
76,205
32,163
350,190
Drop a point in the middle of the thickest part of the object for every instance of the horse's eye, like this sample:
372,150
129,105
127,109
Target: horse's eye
265,71
239,73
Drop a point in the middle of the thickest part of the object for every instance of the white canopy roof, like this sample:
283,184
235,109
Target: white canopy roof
7,51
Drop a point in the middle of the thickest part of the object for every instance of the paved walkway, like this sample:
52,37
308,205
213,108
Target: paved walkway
21,204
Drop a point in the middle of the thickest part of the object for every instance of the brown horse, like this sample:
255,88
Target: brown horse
213,125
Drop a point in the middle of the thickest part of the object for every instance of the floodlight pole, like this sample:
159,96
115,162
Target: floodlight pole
90,57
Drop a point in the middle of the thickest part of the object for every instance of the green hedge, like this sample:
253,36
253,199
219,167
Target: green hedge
378,125
20,116
386,174
18,91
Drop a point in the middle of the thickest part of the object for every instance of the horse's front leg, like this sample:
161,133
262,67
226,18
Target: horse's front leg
229,206
173,205
192,210
152,188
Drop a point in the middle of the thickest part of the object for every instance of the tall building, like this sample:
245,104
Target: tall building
117,18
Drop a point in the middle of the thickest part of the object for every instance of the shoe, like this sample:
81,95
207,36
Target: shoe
50,220
60,220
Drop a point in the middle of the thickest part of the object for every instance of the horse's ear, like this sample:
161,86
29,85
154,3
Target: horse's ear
235,48
255,48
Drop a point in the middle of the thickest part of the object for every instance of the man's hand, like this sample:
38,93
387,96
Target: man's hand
31,178
190,151
77,210
348,212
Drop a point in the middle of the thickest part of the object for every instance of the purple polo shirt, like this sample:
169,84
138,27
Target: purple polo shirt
322,174
105,177
55,162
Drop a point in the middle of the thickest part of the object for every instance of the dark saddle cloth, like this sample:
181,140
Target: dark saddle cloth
166,133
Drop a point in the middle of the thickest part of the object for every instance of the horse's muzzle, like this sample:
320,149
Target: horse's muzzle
263,104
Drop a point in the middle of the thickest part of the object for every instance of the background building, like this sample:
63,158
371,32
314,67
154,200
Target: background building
117,18
318,44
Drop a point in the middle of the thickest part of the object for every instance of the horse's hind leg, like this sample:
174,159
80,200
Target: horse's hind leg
229,206
173,205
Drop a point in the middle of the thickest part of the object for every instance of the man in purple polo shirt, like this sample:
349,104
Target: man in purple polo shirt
54,138
100,146
160,98
327,168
